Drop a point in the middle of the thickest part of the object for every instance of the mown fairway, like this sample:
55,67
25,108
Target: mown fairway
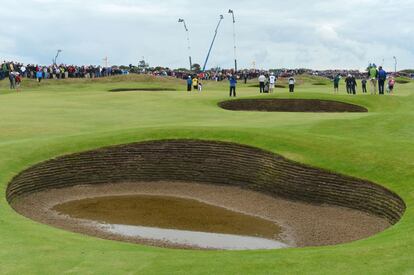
57,118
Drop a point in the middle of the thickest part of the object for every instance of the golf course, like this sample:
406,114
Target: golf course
52,121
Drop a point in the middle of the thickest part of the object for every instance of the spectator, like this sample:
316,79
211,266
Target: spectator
23,71
3,70
351,84
200,86
266,87
391,84
262,80
364,85
39,75
12,79
292,83
382,77
233,83
189,83
272,82
348,84
195,83
18,80
373,76
336,81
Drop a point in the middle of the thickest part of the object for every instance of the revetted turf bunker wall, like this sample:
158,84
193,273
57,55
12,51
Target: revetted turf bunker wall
149,89
292,105
208,162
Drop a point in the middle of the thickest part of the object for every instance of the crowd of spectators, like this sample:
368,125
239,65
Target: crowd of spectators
63,71
220,75
57,71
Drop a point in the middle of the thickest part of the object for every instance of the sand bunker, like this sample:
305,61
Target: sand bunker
312,206
149,89
291,105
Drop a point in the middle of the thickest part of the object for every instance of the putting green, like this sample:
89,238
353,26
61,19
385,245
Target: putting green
58,118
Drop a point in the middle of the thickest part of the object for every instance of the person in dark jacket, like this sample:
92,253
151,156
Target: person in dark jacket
336,81
189,84
351,84
382,77
292,83
12,79
364,85
233,83
348,84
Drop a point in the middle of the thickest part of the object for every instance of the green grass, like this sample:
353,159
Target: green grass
403,80
61,117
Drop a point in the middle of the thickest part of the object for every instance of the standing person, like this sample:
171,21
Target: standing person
364,85
391,84
12,79
3,71
348,81
11,67
353,85
336,81
45,73
195,83
262,81
272,82
233,83
23,70
39,75
18,79
382,77
189,83
200,86
267,87
373,75
292,82
245,77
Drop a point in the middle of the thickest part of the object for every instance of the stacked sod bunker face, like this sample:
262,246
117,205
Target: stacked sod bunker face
207,163
291,105
141,89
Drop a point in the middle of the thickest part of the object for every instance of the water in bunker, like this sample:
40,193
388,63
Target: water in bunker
176,220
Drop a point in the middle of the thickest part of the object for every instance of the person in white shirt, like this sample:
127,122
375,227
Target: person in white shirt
200,86
262,81
292,82
23,70
272,82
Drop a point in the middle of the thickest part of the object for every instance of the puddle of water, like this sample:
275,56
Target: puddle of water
196,239
177,220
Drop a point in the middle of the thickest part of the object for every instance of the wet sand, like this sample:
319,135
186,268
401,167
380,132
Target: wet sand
197,239
301,224
168,213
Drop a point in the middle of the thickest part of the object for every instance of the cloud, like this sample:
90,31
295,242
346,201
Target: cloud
145,9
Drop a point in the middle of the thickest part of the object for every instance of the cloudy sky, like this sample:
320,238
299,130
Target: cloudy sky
272,33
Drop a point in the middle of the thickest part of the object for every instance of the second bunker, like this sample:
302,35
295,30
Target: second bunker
292,105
